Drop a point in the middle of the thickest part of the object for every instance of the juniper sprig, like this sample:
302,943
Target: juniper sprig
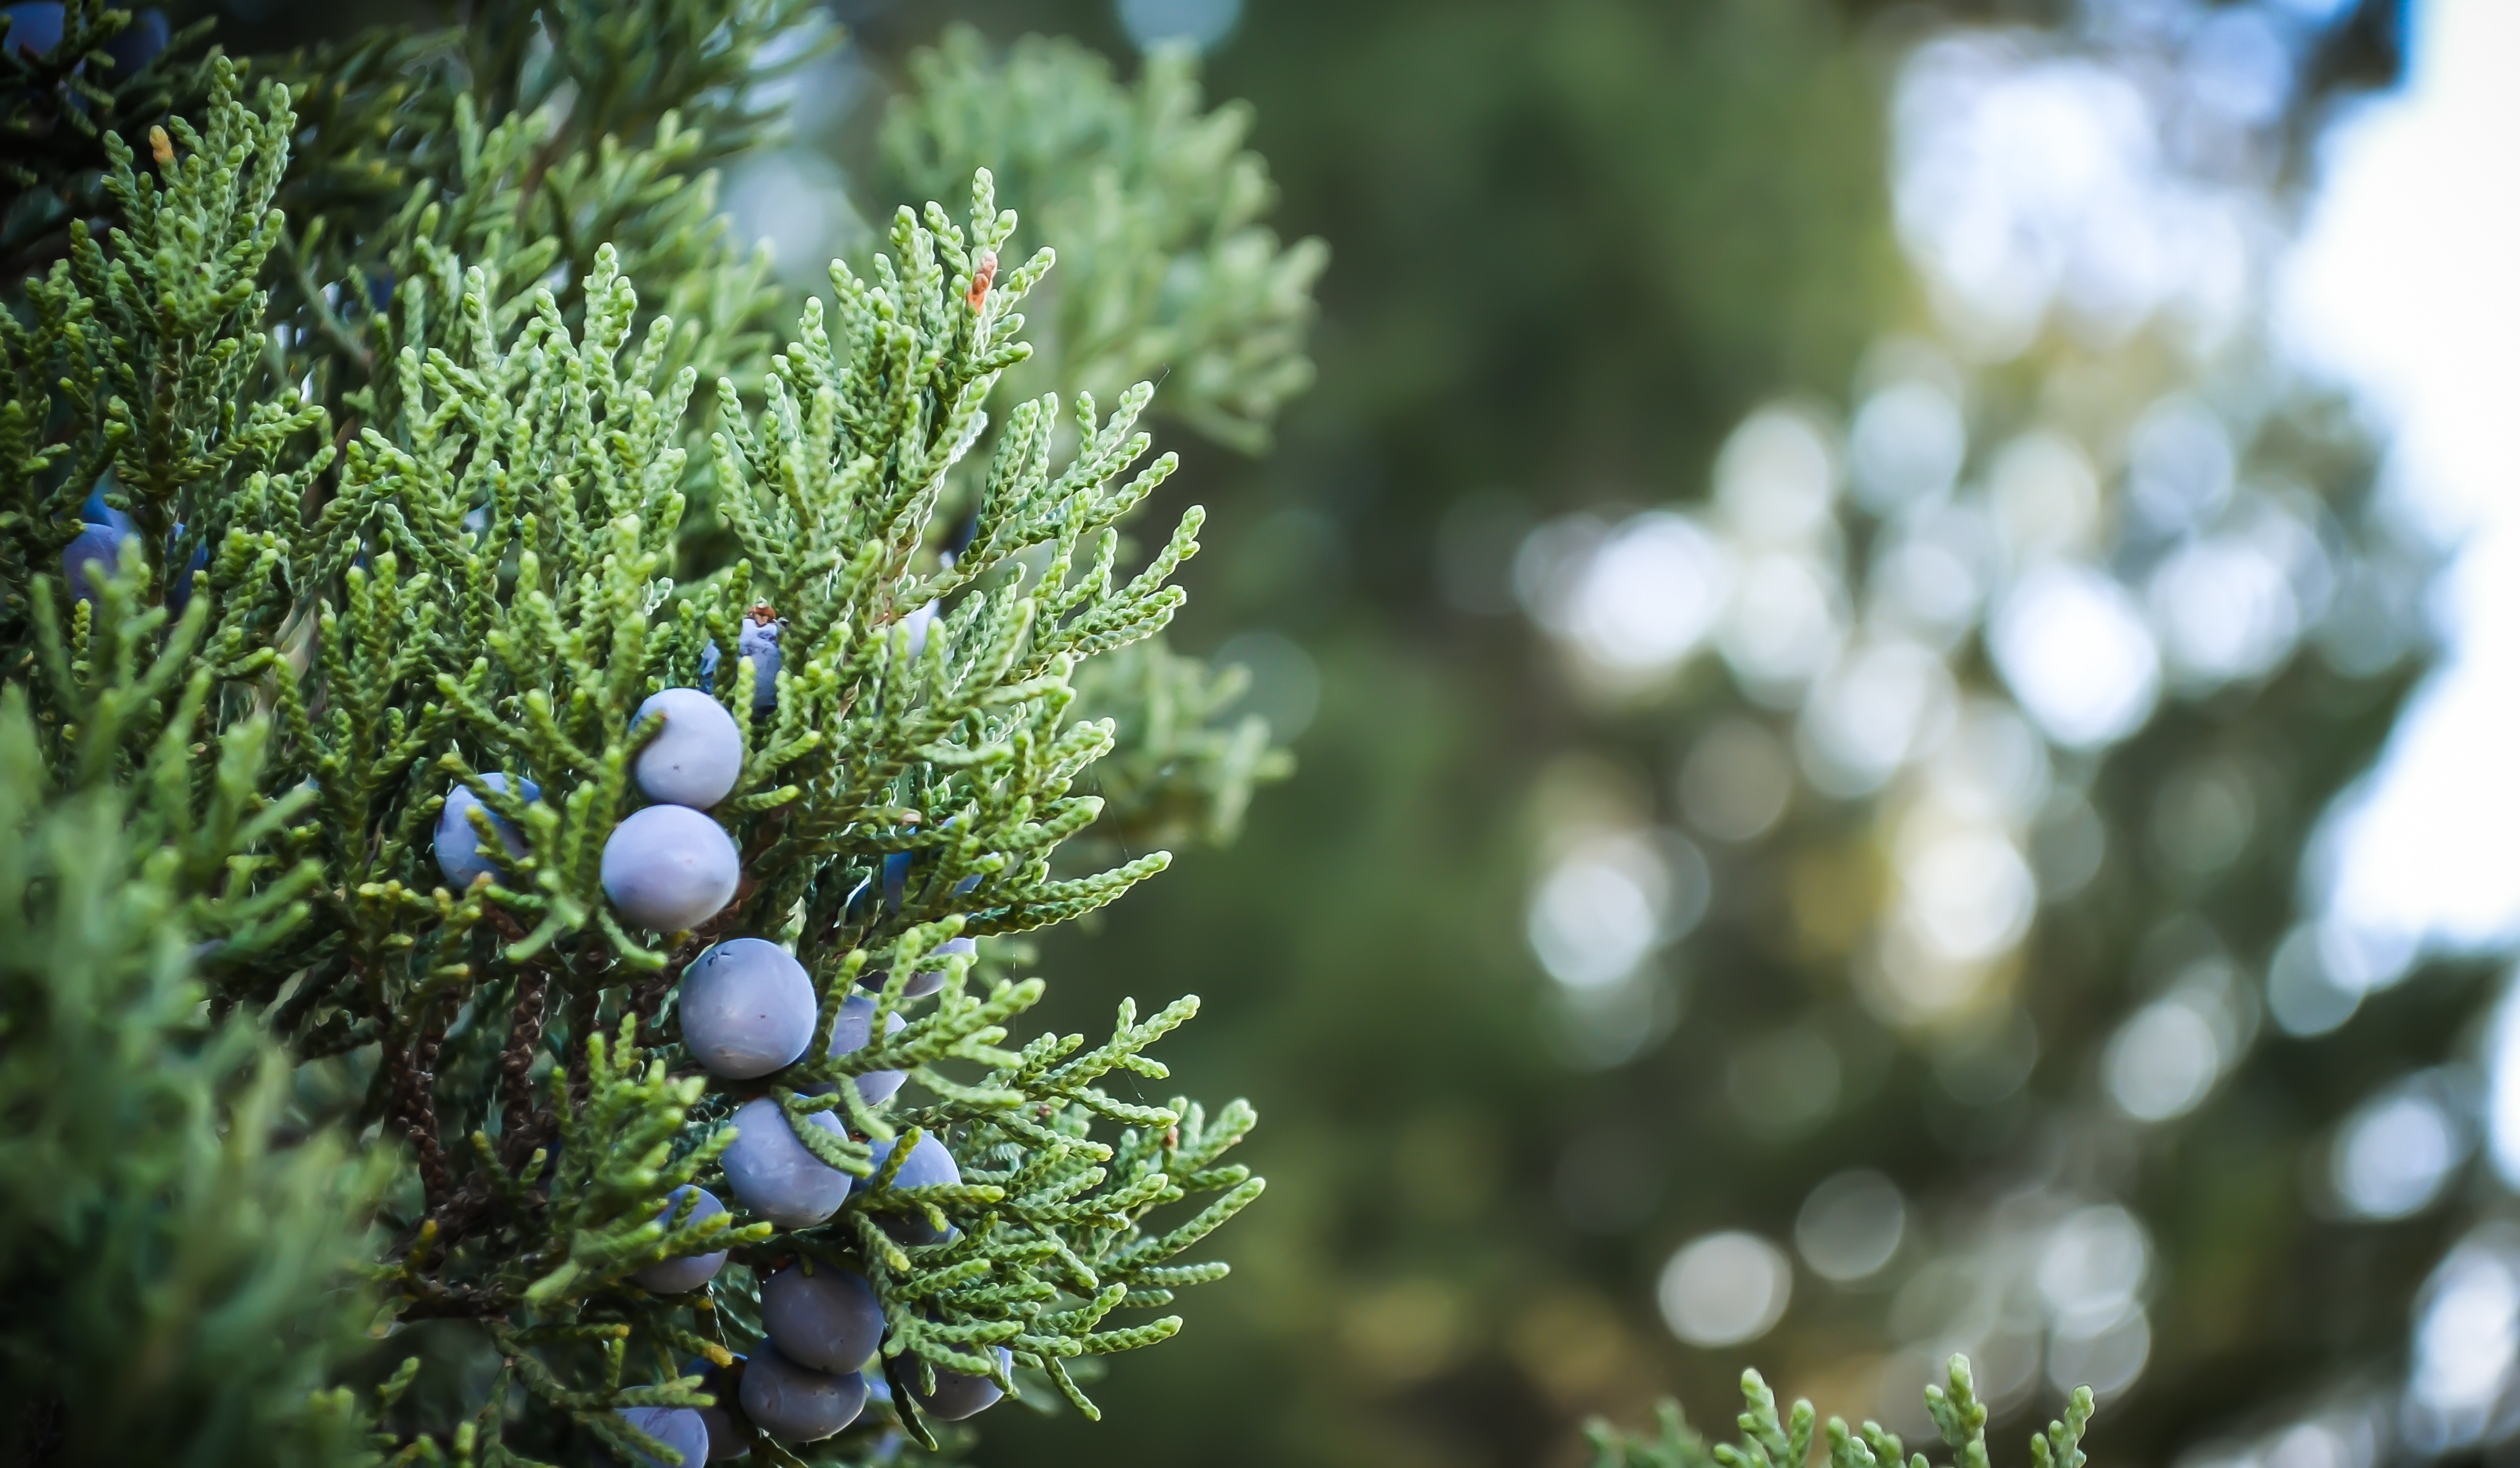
401,496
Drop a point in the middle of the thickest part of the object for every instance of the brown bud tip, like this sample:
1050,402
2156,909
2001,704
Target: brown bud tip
160,147
983,272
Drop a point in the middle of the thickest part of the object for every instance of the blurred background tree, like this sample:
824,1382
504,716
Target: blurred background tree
1824,632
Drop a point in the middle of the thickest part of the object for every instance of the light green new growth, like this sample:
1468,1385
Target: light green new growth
1766,1442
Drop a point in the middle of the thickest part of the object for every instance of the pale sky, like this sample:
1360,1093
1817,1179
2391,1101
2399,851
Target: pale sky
2406,288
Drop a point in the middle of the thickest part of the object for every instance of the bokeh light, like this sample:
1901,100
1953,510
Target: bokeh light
2074,649
1850,1226
1725,1288
2466,1341
1599,910
2396,1152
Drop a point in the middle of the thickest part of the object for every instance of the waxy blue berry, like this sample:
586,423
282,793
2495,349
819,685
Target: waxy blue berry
34,29
458,846
959,1393
669,868
675,1276
927,1166
695,759
849,1033
827,1319
926,981
747,1008
677,1426
138,43
93,556
773,1174
759,642
796,1403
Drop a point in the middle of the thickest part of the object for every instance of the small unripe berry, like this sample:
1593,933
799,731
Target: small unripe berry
759,642
677,1426
695,759
773,1174
827,1319
459,845
959,1393
669,868
747,1008
798,1404
675,1276
928,1164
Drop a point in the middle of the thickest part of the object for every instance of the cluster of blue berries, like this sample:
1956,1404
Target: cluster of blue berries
747,1009
668,866
796,1402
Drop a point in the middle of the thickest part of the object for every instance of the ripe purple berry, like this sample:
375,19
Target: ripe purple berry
695,759
459,845
773,1174
928,1165
849,1033
828,1321
669,868
677,1426
747,1008
675,1276
795,1403
959,1395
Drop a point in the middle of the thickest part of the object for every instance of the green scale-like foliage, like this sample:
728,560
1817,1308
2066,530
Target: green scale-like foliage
1769,1441
370,650
534,138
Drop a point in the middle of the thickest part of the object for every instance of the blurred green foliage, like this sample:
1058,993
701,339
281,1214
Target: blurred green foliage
178,1257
